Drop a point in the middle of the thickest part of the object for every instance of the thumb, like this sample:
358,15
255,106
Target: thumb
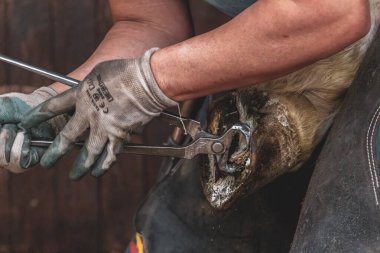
52,107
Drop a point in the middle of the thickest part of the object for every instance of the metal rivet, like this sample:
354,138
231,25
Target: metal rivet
217,147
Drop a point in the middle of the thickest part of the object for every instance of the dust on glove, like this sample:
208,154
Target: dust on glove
16,153
115,98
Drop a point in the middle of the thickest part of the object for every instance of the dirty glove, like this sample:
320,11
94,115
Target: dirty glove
115,98
16,154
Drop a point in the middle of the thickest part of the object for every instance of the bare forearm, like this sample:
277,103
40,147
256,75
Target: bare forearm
269,39
125,39
138,26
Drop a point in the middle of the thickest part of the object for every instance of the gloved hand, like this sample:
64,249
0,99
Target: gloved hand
16,154
115,98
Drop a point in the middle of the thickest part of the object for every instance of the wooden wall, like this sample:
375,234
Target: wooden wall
42,210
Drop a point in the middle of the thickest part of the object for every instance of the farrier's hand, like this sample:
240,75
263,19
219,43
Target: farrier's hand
116,97
16,154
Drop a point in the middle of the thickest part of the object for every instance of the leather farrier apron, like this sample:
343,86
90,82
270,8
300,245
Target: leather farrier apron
341,212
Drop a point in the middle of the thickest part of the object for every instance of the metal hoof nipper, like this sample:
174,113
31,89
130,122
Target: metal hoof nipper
225,178
202,141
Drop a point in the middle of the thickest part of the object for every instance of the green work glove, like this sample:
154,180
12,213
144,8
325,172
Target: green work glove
115,98
16,154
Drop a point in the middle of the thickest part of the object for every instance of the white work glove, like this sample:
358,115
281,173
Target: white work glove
115,98
16,154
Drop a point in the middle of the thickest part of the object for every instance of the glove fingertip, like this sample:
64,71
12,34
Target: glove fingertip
56,150
30,160
98,172
81,165
76,173
74,176
102,166
49,159
107,159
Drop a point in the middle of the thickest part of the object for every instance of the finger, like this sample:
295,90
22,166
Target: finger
90,152
21,156
28,156
52,107
64,141
7,136
107,158
16,153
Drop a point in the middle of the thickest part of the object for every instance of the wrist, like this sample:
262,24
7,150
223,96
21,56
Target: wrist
59,87
157,66
156,94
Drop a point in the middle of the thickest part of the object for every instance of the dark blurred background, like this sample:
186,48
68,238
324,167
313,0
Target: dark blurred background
42,210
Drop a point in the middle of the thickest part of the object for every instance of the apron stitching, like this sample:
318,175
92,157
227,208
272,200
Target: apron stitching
370,154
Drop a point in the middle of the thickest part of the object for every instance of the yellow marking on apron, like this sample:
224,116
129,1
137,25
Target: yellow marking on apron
139,244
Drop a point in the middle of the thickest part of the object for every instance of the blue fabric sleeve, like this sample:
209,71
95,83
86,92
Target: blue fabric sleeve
231,7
